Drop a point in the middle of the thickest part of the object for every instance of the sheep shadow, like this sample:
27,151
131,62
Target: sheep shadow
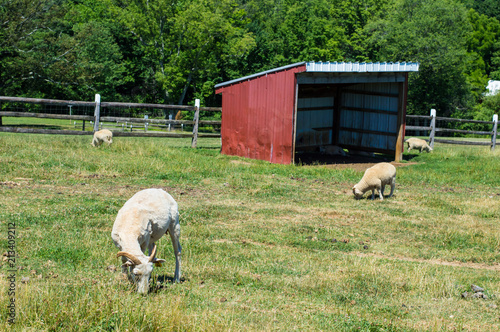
409,157
369,197
160,282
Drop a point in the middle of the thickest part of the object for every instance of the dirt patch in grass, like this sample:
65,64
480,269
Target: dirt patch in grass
240,162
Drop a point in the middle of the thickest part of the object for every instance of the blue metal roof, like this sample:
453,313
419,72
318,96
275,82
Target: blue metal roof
338,67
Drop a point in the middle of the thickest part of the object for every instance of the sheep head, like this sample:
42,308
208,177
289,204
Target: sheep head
357,193
141,268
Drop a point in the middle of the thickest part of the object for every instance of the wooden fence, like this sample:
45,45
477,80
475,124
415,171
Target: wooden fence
121,126
433,129
155,127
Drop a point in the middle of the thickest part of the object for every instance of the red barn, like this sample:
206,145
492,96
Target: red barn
273,114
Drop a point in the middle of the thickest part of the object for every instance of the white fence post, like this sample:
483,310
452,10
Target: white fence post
433,128
97,112
494,133
196,120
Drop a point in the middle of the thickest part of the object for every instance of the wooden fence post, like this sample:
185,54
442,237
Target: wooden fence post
97,112
196,120
433,128
494,134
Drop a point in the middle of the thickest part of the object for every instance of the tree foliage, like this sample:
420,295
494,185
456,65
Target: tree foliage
173,51
433,33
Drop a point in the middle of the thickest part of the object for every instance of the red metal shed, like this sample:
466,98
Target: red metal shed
273,114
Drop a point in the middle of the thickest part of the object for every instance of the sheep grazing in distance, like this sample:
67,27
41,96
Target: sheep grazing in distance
140,223
419,144
102,136
376,177
332,150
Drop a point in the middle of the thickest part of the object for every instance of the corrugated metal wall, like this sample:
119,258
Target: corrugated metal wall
369,116
314,122
257,116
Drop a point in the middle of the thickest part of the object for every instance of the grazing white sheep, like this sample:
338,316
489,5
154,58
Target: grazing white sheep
102,136
142,221
332,150
419,144
376,177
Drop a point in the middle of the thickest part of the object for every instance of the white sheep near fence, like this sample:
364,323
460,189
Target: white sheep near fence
140,223
417,143
102,136
376,178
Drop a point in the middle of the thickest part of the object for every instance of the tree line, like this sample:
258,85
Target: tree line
173,51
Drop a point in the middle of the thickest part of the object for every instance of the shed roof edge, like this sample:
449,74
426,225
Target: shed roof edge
337,67
259,74
362,67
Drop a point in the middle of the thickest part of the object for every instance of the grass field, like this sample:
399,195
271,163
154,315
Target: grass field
265,247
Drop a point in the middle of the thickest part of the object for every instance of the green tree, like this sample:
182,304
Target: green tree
433,33
46,52
188,41
351,17
25,32
483,45
490,8
292,31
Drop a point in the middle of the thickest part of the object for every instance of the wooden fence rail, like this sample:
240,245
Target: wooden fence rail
433,129
98,121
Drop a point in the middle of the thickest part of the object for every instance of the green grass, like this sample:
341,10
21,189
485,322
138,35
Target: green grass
265,247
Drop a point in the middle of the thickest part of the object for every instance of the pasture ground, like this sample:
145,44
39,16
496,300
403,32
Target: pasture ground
265,247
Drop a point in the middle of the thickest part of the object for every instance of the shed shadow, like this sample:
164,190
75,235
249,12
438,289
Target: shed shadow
356,162
316,158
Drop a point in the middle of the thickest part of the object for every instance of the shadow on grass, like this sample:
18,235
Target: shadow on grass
162,282
409,157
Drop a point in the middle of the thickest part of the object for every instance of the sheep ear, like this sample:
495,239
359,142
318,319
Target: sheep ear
157,262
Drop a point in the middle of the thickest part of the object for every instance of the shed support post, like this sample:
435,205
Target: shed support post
196,120
433,128
402,92
495,131
97,112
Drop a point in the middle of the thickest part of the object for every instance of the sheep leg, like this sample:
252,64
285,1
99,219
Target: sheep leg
175,233
381,192
393,185
373,194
